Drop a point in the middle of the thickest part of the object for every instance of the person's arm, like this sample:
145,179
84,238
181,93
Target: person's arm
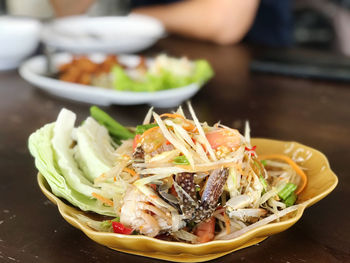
71,7
221,21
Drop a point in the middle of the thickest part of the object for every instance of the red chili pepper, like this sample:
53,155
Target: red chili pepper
167,142
251,150
119,228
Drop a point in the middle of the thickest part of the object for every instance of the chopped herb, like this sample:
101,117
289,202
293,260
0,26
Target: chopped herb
263,162
107,224
181,160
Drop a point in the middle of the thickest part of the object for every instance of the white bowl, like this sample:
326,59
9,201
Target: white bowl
118,34
19,37
33,70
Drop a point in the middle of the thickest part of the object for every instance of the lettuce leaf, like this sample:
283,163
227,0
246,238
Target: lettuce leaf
125,83
40,147
166,78
203,72
94,150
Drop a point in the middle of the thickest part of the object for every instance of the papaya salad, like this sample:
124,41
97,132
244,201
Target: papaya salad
172,177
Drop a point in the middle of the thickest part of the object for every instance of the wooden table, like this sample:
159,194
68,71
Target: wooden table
314,113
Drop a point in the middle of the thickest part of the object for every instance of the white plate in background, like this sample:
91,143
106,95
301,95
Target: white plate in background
33,70
111,34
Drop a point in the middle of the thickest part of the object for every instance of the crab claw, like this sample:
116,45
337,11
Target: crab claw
186,191
199,210
211,194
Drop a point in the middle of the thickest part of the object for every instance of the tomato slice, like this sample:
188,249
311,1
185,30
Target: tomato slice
153,186
206,230
119,228
223,137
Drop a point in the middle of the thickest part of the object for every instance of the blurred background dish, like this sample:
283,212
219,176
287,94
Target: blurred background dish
19,38
119,34
34,71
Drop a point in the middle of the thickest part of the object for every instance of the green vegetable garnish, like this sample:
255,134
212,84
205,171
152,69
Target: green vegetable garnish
291,200
116,130
263,162
140,129
165,79
287,191
116,140
181,160
263,182
107,224
198,188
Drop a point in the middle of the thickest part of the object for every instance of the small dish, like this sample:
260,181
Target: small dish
321,181
111,34
34,70
19,38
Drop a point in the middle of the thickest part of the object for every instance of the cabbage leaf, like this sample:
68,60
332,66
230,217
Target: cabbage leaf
62,142
94,151
40,147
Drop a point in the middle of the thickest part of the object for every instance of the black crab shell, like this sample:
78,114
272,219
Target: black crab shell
199,210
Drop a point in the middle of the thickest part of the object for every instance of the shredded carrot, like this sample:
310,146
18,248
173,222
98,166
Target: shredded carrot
190,126
288,160
153,196
172,115
227,223
103,199
115,179
130,171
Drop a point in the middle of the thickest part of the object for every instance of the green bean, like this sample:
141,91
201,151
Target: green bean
291,200
287,191
116,130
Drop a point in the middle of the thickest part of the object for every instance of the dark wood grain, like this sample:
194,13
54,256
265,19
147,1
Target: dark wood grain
315,113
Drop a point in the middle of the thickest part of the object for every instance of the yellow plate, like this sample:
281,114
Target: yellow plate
321,181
